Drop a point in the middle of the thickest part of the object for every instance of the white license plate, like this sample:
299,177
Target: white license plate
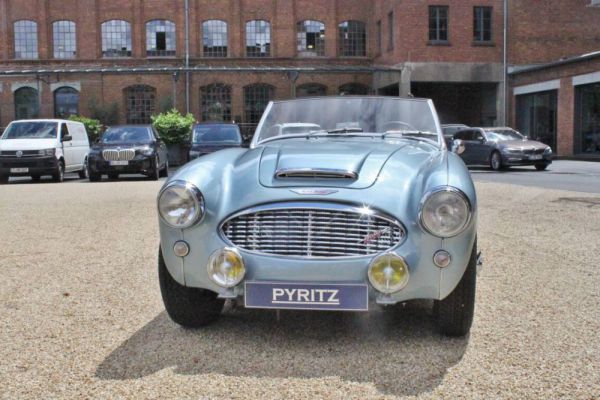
19,170
536,157
119,163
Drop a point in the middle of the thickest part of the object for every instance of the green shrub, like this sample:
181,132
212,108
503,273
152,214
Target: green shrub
92,126
173,127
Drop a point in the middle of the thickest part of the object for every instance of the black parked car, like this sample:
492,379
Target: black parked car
210,137
129,149
502,147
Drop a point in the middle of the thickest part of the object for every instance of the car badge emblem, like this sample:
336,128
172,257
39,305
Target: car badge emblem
320,192
19,154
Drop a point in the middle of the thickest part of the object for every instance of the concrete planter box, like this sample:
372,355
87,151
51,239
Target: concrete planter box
178,154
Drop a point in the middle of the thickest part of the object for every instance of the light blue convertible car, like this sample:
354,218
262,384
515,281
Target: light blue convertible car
340,203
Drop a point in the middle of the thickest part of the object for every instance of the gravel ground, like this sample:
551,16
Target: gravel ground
81,314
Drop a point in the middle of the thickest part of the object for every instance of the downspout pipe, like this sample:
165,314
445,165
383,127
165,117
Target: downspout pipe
187,56
505,118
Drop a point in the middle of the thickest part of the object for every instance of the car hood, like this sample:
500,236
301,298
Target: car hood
212,147
342,162
522,144
123,145
27,144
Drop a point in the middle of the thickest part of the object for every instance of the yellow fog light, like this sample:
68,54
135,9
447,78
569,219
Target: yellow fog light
226,267
388,273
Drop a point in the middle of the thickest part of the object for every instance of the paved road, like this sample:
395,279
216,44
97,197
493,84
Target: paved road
578,176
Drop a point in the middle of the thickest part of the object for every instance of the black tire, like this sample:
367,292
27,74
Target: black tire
541,167
454,314
496,161
94,177
154,173
113,175
188,307
4,179
59,175
164,173
85,172
35,178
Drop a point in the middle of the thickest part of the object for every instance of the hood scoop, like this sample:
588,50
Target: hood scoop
315,173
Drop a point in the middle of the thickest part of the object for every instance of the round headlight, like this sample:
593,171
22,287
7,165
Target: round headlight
388,273
180,205
445,212
226,267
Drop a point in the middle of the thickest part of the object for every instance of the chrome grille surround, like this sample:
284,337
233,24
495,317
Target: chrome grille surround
118,154
312,230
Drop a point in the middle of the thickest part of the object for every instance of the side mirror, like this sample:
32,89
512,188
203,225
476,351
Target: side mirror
458,147
67,138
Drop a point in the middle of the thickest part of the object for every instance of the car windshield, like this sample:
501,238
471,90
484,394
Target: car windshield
505,134
127,134
216,134
349,116
31,130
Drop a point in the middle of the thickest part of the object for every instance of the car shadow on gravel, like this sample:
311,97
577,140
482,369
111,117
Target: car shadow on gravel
395,349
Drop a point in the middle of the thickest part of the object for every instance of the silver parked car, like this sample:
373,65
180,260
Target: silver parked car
365,208
501,148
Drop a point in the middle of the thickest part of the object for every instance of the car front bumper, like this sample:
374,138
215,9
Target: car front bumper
34,165
524,159
139,165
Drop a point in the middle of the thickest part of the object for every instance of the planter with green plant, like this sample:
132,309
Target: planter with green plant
175,130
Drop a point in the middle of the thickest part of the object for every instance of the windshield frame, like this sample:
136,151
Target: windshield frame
440,142
20,122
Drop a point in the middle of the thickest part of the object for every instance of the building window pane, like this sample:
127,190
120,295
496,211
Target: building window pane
256,98
482,24
311,38
438,23
27,104
536,116
140,102
354,89
66,102
116,39
215,103
258,38
587,119
64,39
26,40
391,31
352,39
160,38
311,90
378,37
214,38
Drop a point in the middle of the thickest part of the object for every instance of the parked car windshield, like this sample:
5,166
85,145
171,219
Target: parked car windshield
31,130
216,134
504,134
128,134
351,116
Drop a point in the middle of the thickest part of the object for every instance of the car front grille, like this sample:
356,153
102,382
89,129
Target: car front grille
118,155
24,153
313,230
533,151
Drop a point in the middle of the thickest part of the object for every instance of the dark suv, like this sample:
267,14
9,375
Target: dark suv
129,149
210,137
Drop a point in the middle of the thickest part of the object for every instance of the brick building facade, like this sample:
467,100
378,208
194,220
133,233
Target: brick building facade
224,59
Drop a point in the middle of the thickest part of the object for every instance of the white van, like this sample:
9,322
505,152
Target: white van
43,147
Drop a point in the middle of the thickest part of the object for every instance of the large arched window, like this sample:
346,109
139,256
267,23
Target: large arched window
116,38
311,38
64,39
311,90
66,102
26,39
160,38
140,104
258,38
352,39
215,103
354,89
256,98
27,103
214,38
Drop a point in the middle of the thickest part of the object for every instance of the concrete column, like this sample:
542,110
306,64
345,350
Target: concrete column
404,84
501,119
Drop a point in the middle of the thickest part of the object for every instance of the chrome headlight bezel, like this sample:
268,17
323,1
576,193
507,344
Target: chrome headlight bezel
194,195
429,196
